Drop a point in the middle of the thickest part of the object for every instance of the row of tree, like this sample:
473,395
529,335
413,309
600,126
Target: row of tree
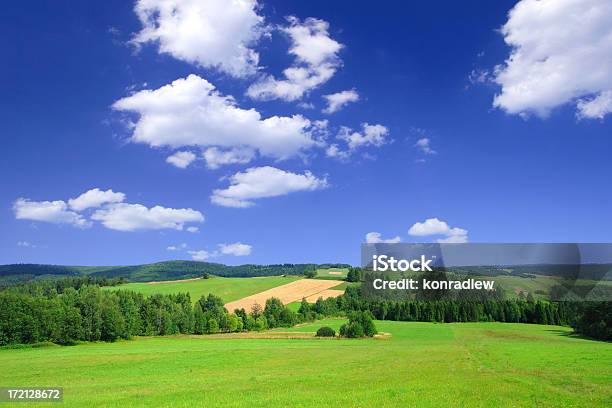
516,311
92,314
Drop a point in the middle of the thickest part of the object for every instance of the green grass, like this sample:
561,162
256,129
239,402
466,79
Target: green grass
228,289
421,364
325,273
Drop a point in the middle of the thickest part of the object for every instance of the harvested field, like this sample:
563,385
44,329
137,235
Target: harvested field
325,294
288,293
335,273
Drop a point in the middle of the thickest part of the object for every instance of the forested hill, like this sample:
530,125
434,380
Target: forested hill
169,270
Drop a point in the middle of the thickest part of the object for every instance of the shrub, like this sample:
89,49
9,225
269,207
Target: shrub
352,330
326,331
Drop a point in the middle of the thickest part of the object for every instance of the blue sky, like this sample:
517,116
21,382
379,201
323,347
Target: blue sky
461,142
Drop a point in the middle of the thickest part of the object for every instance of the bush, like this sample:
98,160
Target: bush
360,325
352,330
326,331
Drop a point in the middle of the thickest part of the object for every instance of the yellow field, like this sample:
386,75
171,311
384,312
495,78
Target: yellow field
291,292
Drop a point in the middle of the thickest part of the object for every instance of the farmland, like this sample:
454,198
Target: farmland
229,289
311,289
469,364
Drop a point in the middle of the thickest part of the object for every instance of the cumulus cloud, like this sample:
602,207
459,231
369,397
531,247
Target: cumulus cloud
190,112
424,145
95,198
262,182
334,150
434,226
181,159
208,33
376,238
371,135
316,61
561,51
216,158
193,230
339,100
26,244
132,217
200,255
595,108
56,212
235,249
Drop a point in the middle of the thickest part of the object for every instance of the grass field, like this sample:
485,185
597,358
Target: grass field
229,289
424,364
332,273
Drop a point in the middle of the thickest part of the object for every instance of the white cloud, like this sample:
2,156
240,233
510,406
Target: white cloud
374,135
375,238
56,212
190,112
338,100
25,244
235,249
595,108
95,198
131,217
434,226
334,150
316,61
261,182
181,159
561,51
208,33
216,158
200,255
193,230
177,247
424,145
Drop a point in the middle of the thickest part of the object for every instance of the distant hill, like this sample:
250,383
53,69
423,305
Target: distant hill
169,270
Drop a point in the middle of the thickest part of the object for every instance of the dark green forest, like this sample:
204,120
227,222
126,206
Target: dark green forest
11,275
74,309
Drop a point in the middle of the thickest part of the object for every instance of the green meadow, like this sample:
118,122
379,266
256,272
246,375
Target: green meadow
332,273
424,364
228,289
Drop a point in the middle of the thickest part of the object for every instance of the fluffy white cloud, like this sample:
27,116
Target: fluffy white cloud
216,158
95,198
561,51
200,255
261,182
424,145
316,61
235,249
434,226
56,212
193,230
334,150
374,135
190,112
337,101
131,217
181,159
376,238
595,108
208,33
26,244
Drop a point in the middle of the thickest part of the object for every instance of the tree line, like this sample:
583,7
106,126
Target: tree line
75,310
